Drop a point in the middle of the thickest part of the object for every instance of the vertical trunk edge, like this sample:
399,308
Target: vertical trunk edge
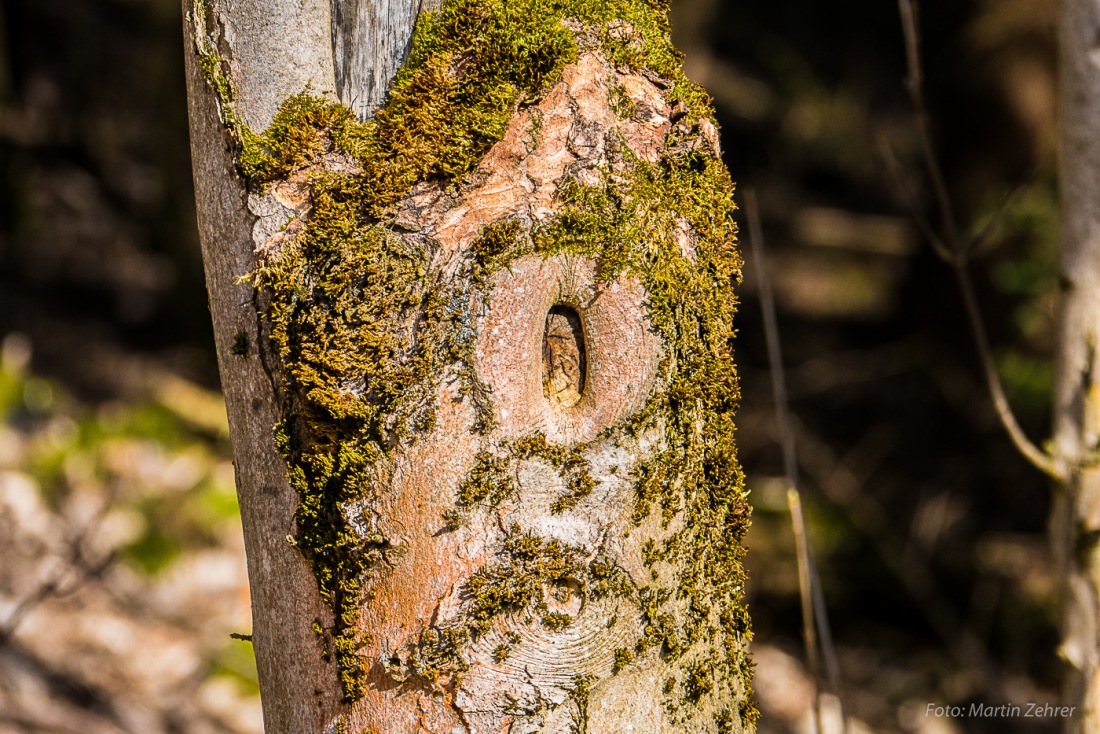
1075,522
370,40
298,691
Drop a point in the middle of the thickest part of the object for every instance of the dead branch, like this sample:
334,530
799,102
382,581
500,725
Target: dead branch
950,246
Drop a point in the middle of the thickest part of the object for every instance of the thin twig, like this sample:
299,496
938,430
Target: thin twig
75,563
1041,460
771,333
842,487
998,216
956,253
825,633
915,85
809,636
812,598
915,210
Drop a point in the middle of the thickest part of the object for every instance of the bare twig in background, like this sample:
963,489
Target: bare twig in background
809,637
843,487
951,247
915,85
893,167
998,216
815,620
76,569
771,333
825,632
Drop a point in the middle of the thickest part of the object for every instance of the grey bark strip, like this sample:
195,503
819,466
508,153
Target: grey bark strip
273,50
370,40
287,661
1075,526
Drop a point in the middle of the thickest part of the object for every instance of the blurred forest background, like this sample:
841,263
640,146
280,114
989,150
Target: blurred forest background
121,564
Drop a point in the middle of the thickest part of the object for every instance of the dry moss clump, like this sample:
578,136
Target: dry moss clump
518,579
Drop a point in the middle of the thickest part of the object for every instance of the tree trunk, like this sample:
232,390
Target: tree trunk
476,357
1076,525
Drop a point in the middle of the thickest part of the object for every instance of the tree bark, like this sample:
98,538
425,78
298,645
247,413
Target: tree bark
503,394
278,49
1076,522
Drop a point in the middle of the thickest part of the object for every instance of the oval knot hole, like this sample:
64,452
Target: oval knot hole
563,358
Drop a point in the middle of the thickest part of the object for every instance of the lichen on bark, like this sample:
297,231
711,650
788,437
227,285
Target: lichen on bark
369,313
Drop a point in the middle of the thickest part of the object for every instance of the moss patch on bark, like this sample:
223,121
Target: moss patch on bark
629,224
365,326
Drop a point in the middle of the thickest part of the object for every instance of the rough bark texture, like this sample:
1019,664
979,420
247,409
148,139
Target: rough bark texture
298,694
502,380
273,50
1076,522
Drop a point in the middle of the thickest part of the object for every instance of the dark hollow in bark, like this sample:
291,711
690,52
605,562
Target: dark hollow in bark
563,357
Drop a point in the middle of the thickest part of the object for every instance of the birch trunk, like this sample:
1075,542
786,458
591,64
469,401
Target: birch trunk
503,395
1076,525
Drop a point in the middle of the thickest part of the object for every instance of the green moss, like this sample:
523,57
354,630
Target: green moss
574,469
536,128
658,625
536,444
341,727
469,65
698,681
623,658
621,103
498,244
468,68
526,566
490,481
213,68
348,322
366,326
578,482
749,712
629,224
322,639
556,621
605,579
439,653
582,691
501,652
518,580
492,478
453,518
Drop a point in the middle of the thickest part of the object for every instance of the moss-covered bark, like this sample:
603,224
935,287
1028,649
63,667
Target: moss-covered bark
372,318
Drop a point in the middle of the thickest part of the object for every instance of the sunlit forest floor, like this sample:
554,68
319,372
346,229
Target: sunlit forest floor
123,565
122,573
